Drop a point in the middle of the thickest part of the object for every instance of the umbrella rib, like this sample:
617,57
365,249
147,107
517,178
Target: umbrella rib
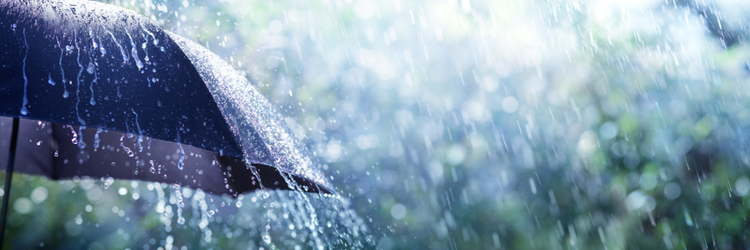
8,178
52,138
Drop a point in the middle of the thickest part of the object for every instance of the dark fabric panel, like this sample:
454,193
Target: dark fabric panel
53,150
125,75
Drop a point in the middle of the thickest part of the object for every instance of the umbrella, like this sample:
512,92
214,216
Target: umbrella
88,89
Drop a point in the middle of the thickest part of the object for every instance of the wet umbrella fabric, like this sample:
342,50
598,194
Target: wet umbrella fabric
101,91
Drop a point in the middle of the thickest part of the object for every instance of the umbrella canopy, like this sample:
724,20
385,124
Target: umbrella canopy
104,92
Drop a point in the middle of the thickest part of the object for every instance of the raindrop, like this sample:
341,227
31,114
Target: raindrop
128,151
97,140
134,52
742,186
78,219
608,130
267,238
90,68
510,104
74,140
181,161
275,26
50,81
672,191
398,211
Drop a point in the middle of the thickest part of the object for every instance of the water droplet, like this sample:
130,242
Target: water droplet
78,219
128,151
267,238
90,68
98,140
50,81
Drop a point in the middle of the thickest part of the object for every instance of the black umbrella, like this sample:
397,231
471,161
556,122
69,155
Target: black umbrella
88,89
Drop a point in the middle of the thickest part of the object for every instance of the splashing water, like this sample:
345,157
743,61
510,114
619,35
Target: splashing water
225,83
283,151
273,218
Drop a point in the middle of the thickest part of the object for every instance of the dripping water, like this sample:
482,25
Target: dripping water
140,132
134,52
74,140
180,203
62,71
101,47
81,144
24,111
96,138
125,57
156,41
180,163
145,43
50,81
92,70
78,79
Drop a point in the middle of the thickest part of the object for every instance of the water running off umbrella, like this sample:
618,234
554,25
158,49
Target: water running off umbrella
304,215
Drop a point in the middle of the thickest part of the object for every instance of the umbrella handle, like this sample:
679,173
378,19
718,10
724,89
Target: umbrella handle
8,178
